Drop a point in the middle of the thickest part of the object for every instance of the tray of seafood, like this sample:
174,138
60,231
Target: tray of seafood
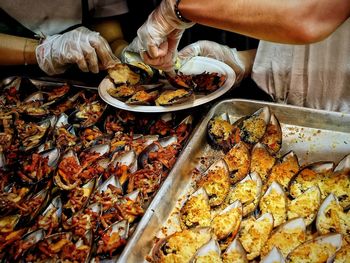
257,182
77,175
138,87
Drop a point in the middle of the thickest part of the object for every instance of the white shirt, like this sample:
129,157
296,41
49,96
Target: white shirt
54,16
315,75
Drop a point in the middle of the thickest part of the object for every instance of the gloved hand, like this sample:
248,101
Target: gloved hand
157,39
80,46
211,49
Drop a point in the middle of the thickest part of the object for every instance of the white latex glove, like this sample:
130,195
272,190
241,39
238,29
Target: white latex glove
217,51
80,46
157,39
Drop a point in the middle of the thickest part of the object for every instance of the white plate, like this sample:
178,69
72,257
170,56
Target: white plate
196,65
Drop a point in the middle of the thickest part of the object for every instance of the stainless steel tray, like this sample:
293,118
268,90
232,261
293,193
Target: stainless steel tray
314,135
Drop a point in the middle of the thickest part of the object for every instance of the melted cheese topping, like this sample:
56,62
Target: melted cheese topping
312,252
169,97
217,184
253,129
238,161
334,220
233,257
285,241
276,204
182,246
254,235
283,172
220,128
343,255
246,192
226,223
339,185
211,257
261,163
306,206
195,212
121,73
305,179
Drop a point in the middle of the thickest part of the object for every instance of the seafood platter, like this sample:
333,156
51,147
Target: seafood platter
258,182
139,87
77,175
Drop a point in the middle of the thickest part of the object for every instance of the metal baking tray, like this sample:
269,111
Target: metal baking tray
314,135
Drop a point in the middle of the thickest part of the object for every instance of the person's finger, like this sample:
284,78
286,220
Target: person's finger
80,61
104,52
155,51
91,59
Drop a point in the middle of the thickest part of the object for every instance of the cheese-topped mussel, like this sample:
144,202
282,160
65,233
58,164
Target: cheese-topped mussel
170,97
321,249
309,176
253,127
338,183
286,237
332,218
273,135
216,182
221,132
181,246
261,161
284,170
254,234
248,191
196,210
210,252
305,205
238,162
275,201
226,223
143,97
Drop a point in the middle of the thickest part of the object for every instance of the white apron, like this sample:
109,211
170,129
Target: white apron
315,75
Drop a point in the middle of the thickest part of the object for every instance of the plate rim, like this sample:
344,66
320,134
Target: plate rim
229,82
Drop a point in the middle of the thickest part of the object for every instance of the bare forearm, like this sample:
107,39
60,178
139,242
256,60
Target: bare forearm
17,50
286,21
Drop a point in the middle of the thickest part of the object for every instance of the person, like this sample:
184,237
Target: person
304,74
91,50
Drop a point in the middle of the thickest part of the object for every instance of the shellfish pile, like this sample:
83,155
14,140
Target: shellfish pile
76,175
254,205
139,84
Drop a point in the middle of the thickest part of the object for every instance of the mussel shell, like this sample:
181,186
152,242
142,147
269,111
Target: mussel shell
248,191
305,205
332,218
181,245
253,127
123,91
286,237
275,201
220,131
309,176
273,135
261,161
284,170
170,97
143,98
216,182
122,229
238,162
87,114
254,234
196,210
321,249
